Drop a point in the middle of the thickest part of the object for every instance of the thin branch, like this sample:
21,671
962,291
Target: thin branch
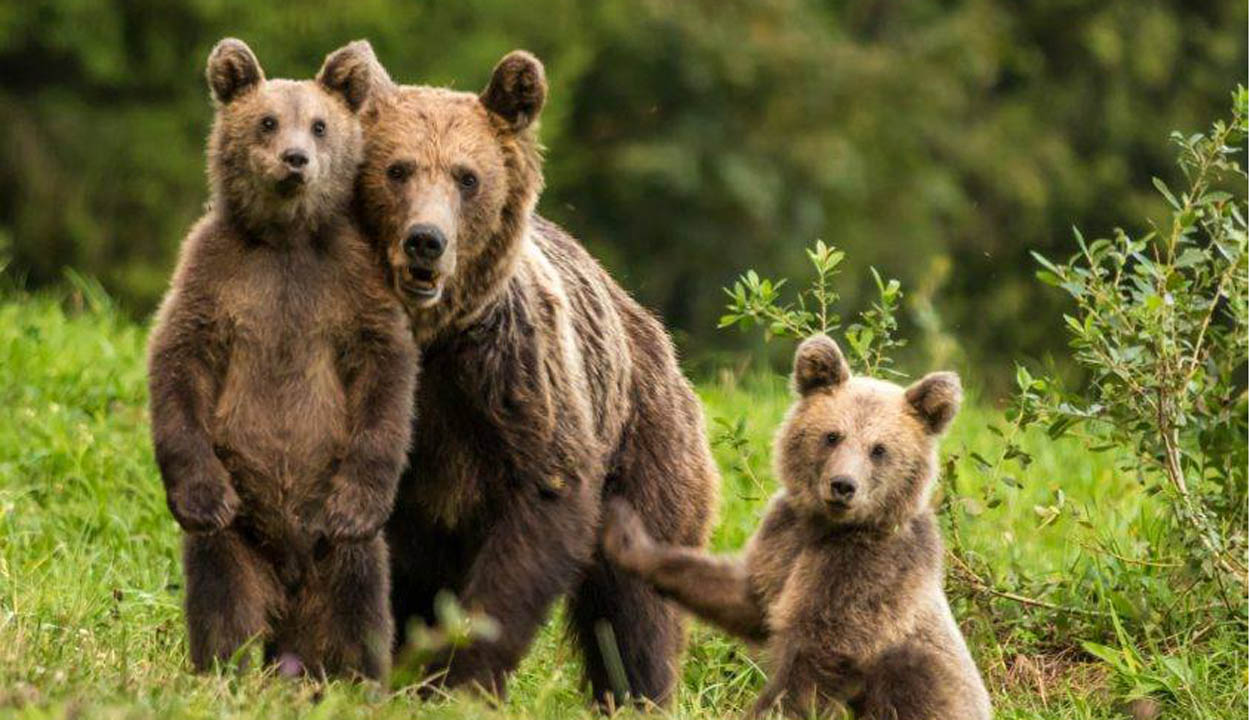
1103,550
1206,322
1194,516
979,584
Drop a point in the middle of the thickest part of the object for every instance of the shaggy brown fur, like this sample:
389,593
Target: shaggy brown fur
281,371
545,389
843,580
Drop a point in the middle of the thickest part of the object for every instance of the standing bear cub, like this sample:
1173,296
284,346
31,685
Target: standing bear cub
843,580
281,371
545,388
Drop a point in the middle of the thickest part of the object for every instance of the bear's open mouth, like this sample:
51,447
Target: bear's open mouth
290,184
423,284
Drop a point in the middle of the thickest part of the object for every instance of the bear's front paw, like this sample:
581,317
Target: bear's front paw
206,502
625,538
347,517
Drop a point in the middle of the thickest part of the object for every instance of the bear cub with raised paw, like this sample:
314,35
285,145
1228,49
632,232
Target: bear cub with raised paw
282,372
842,582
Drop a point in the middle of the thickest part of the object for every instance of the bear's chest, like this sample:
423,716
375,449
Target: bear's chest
459,460
482,439
849,592
282,402
284,302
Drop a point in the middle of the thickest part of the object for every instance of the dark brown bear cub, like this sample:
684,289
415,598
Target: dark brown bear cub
281,373
843,580
545,388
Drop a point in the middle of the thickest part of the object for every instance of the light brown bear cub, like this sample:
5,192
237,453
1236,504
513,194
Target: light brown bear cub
843,580
281,371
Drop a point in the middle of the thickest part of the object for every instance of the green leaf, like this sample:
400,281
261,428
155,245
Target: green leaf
1041,260
1190,257
1107,654
1049,278
985,464
1178,667
1023,379
1163,189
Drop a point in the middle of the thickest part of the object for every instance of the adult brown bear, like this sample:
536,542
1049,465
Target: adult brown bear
545,389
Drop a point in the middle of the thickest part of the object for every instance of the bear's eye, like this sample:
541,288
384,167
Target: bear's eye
319,128
832,439
269,123
467,180
397,172
878,451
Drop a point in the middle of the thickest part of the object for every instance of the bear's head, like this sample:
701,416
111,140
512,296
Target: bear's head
448,183
861,451
284,151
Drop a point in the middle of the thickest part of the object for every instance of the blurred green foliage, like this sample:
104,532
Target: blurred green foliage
938,140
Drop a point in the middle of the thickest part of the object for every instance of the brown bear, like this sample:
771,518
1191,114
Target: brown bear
546,388
281,370
843,580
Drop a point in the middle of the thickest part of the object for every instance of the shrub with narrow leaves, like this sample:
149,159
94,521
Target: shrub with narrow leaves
1160,329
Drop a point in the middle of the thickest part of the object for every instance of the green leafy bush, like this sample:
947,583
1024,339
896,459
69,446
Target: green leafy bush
1160,327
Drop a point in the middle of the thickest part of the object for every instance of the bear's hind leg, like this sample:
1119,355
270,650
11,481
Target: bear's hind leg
907,683
342,623
666,473
231,596
630,637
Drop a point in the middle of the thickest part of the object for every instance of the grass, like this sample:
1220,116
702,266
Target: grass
90,585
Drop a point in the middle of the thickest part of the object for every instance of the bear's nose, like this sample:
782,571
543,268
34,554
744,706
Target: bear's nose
425,242
843,488
295,159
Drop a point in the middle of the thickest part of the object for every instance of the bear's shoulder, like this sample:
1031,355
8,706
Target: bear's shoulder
212,248
774,548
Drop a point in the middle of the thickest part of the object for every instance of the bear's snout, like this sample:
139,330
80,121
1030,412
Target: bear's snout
295,159
842,490
424,262
842,487
425,242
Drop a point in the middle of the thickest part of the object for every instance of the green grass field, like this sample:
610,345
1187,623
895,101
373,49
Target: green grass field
90,585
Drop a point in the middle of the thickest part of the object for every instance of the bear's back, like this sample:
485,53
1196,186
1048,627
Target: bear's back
591,316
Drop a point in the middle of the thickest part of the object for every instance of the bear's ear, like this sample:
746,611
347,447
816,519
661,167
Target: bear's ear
232,70
818,363
517,89
354,73
935,399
